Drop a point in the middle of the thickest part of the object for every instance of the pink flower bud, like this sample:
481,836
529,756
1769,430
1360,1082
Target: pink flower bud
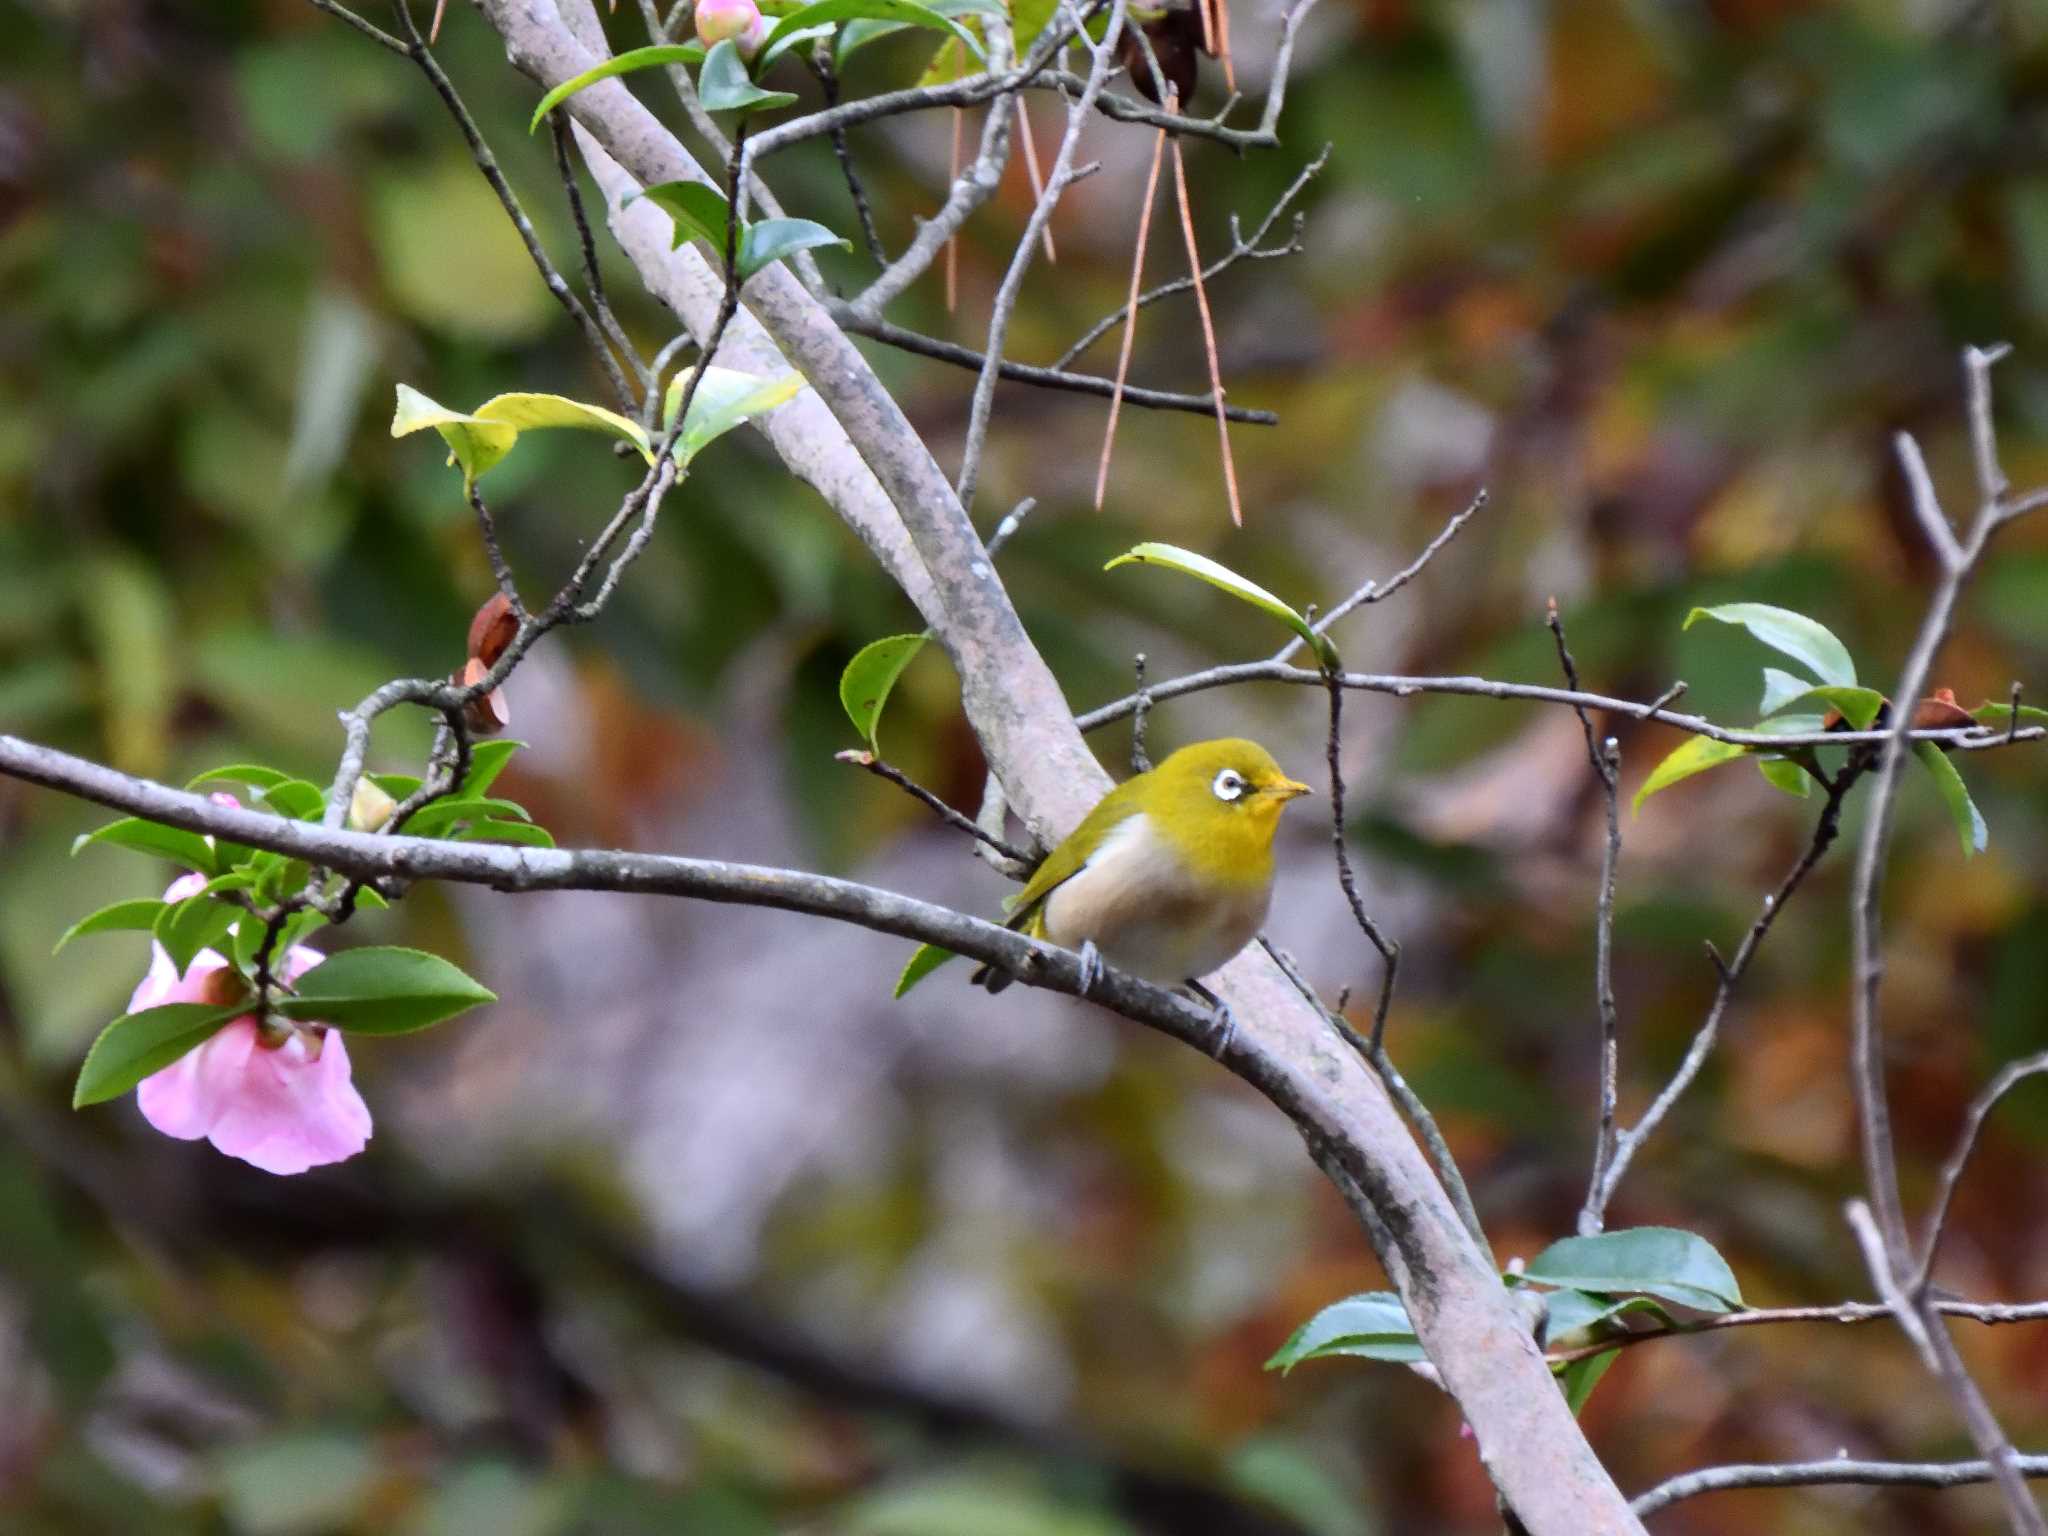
740,20
283,1108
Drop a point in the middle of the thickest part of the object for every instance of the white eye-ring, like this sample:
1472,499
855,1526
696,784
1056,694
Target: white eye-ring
1227,785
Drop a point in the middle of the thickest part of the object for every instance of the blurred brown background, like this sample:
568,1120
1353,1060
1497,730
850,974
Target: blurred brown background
697,1230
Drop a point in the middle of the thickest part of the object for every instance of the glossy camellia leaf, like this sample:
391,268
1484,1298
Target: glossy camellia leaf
698,209
382,991
251,776
1694,755
701,212
188,849
122,916
477,440
487,759
1783,773
1572,1318
1666,1262
1780,688
296,798
619,64
1579,1378
860,32
770,52
201,920
865,685
723,85
524,833
138,1044
1188,563
248,937
726,399
771,240
1806,641
1372,1326
902,12
1858,707
926,959
1955,794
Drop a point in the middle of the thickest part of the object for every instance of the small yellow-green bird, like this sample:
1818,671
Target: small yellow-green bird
1170,875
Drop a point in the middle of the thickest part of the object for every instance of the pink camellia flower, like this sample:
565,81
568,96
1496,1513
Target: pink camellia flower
740,20
285,1108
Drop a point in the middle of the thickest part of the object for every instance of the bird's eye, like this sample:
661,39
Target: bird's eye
1228,785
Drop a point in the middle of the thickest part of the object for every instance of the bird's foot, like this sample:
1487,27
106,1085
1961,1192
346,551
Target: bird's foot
1224,1021
1091,967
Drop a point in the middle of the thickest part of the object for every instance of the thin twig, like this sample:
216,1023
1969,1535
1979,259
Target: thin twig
1103,55
375,34
1605,757
1029,373
1835,1470
2009,1077
1730,973
593,274
1006,530
828,83
1141,761
931,802
1242,248
417,50
1378,592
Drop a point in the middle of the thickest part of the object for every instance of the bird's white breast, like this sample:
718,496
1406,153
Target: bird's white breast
1147,914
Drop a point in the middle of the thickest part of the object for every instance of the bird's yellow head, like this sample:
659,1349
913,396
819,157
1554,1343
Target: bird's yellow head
1220,801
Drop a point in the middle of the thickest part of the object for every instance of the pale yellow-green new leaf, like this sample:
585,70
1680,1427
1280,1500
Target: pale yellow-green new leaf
1695,756
726,399
473,443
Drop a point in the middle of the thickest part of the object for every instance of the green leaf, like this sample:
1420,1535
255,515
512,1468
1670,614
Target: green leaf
382,991
1696,754
249,936
1580,1378
802,35
473,443
487,759
478,440
1955,794
1780,689
723,84
771,240
926,959
698,209
137,1044
1858,707
524,833
199,921
859,33
138,836
1373,1326
1807,642
618,64
297,799
1572,1318
434,819
251,776
1785,774
726,399
1999,716
902,12
1656,1261
1188,563
865,684
122,916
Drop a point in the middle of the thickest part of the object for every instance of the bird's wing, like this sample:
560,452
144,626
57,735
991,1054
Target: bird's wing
1067,860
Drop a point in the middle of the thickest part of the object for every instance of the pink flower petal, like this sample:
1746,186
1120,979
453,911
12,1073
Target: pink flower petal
187,1097
289,1110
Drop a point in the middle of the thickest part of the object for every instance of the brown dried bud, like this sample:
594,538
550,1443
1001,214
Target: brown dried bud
1939,711
486,714
224,987
1176,38
492,630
